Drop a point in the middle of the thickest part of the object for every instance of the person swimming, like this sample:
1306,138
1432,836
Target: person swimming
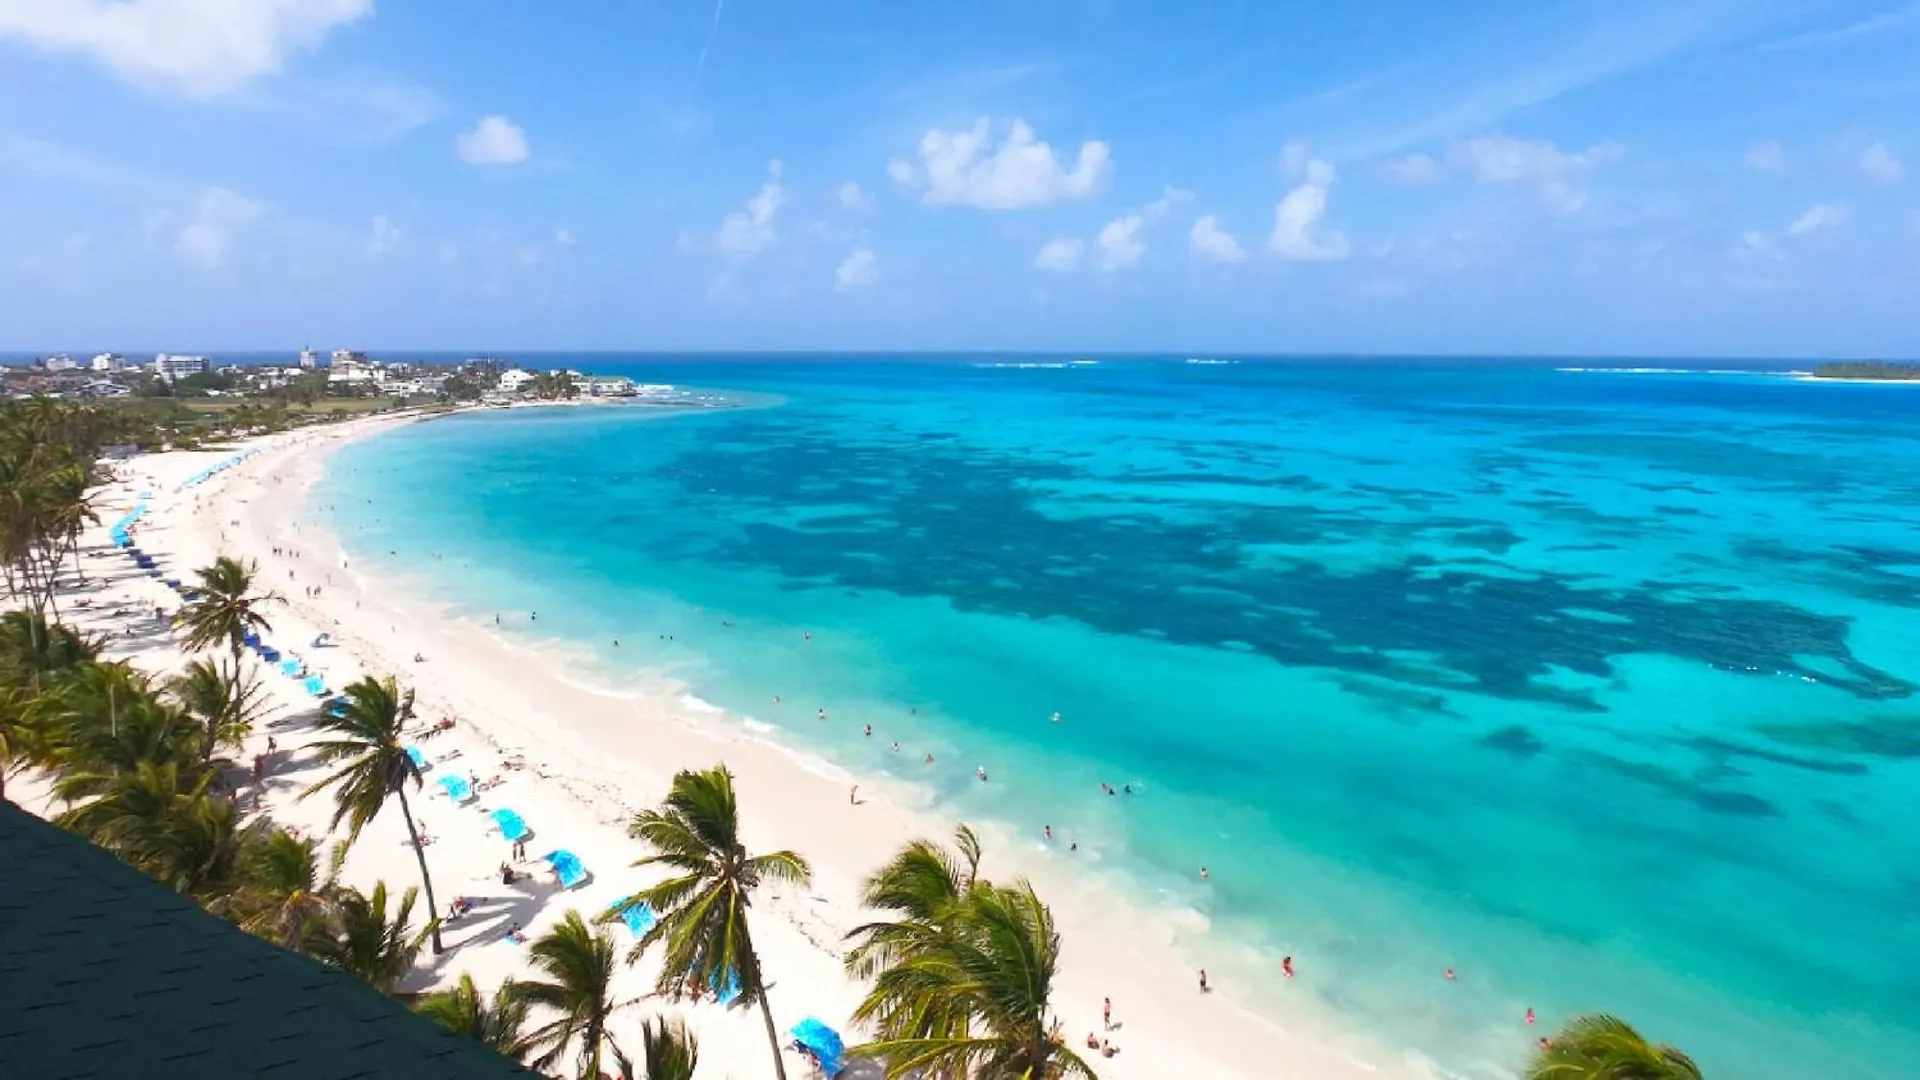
1286,966
981,772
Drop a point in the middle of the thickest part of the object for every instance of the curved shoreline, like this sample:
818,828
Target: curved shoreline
610,753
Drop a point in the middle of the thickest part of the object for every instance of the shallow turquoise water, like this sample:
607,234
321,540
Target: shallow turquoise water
1595,687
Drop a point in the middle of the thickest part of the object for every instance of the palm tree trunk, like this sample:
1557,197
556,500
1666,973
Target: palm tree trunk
419,852
766,1011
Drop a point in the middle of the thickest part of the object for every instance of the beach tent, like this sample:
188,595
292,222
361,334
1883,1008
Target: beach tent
511,826
457,788
414,755
823,1043
566,866
639,919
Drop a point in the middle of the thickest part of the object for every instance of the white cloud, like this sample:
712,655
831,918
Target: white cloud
1120,245
853,197
564,238
1170,197
218,213
1880,165
749,231
1413,169
1210,242
495,140
1767,156
858,270
199,48
1817,218
1541,165
965,168
1060,255
386,237
1296,233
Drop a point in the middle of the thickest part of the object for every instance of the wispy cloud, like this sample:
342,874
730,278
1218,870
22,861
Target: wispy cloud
700,65
1872,25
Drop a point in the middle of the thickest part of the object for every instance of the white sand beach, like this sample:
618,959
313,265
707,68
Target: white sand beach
590,759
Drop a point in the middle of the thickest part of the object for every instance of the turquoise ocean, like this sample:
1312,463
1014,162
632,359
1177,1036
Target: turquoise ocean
1598,687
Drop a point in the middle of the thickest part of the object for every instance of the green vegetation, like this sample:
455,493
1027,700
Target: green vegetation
1600,1047
1879,370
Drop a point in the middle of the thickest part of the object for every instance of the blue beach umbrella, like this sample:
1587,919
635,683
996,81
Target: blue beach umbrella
823,1042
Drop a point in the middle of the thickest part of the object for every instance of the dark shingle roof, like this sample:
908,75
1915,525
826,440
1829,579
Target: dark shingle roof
106,973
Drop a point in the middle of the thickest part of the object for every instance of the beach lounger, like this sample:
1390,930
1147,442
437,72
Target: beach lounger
510,824
419,759
639,919
457,788
566,866
823,1043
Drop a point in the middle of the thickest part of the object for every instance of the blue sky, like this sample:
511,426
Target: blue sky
1600,178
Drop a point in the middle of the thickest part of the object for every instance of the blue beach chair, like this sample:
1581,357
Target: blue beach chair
457,788
639,919
823,1043
566,866
510,824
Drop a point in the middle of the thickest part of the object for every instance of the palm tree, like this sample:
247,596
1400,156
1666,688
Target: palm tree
703,909
496,1024
283,895
577,961
102,721
228,609
993,964
376,766
368,944
161,819
667,1049
1602,1047
225,700
923,886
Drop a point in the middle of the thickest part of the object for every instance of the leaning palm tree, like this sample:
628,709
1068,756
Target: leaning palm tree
496,1024
160,818
994,965
228,609
369,944
376,766
702,909
226,700
1602,1047
577,961
284,895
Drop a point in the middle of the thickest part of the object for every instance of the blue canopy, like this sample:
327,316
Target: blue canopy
456,787
290,666
566,864
639,919
316,685
824,1042
336,706
511,826
725,990
419,759
269,653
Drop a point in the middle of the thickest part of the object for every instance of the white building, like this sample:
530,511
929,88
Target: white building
513,380
354,369
63,362
171,366
108,362
309,359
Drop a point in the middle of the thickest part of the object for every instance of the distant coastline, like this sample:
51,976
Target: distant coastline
1867,371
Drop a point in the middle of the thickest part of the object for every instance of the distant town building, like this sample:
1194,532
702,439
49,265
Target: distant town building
348,356
63,362
611,386
513,380
353,369
108,362
309,359
171,366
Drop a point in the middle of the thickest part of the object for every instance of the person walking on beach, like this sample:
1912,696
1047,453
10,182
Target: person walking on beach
1204,988
853,795
1106,1014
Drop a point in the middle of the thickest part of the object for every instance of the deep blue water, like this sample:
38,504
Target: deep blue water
1599,688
